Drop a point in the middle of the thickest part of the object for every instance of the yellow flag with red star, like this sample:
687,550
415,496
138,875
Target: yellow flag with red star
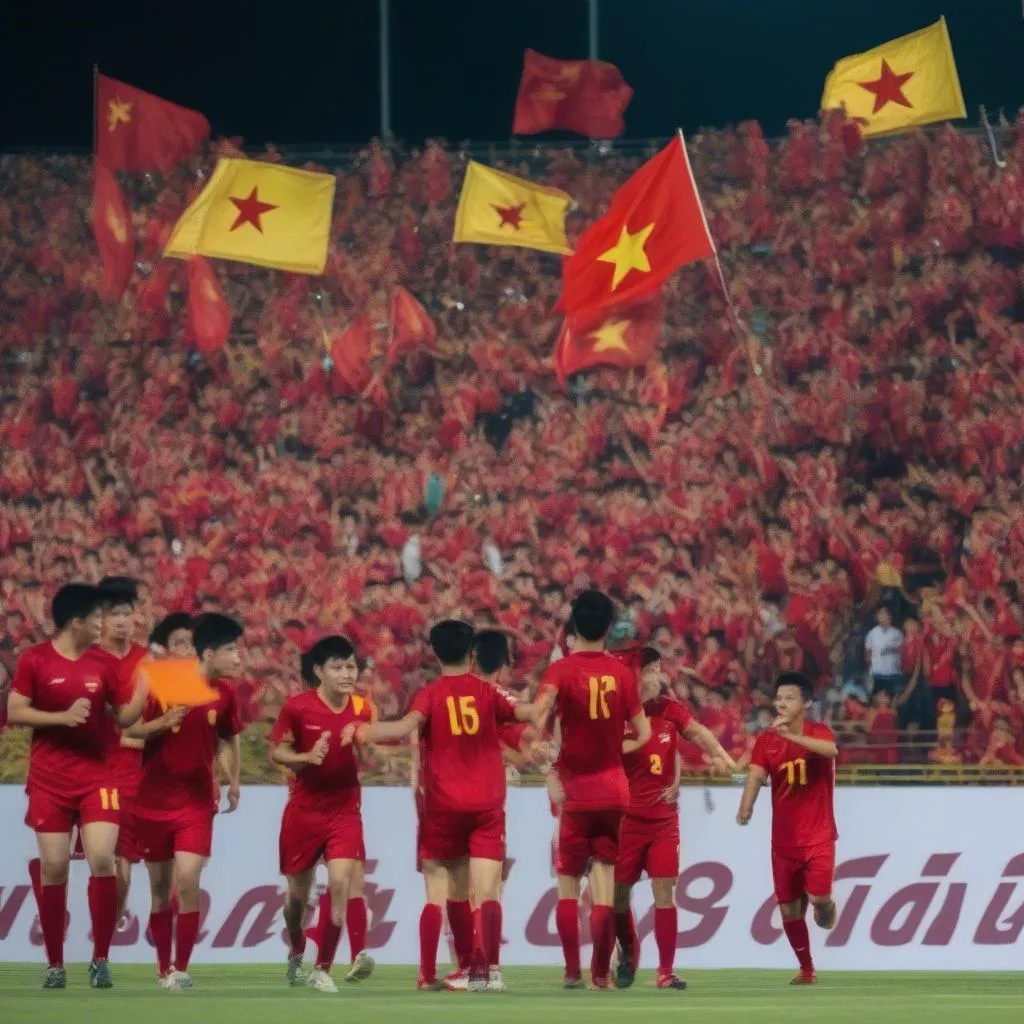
901,84
259,213
496,208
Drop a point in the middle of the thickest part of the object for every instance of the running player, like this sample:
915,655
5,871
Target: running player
178,795
459,717
593,696
322,817
650,830
799,756
62,690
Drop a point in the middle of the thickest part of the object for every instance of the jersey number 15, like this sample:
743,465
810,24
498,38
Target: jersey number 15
463,716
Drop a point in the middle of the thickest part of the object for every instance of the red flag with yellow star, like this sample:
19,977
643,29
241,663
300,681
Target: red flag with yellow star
585,96
625,336
112,228
137,131
209,315
654,225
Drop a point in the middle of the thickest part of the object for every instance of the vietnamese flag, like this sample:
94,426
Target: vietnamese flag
112,228
625,336
350,353
654,225
137,131
209,315
411,326
584,96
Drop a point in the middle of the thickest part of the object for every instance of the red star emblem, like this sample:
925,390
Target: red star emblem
510,215
888,88
250,210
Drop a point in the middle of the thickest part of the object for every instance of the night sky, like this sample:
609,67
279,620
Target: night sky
308,72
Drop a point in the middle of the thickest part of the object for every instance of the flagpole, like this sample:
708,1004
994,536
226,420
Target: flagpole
385,68
592,27
95,97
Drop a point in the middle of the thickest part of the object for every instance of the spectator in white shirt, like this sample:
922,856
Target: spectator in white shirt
882,647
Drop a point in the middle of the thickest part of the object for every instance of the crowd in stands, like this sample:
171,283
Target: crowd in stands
831,484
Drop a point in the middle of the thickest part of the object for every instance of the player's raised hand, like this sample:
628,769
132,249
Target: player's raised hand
781,726
319,751
78,713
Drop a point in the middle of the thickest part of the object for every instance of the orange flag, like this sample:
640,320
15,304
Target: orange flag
350,353
625,336
112,228
209,315
177,681
411,326
137,131
654,225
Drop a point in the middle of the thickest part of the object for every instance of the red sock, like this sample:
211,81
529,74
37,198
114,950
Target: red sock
186,929
35,873
53,901
478,937
800,940
567,922
330,936
460,920
430,937
625,933
103,911
355,922
490,931
161,925
602,934
666,921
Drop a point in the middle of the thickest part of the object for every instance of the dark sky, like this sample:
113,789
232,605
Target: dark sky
308,72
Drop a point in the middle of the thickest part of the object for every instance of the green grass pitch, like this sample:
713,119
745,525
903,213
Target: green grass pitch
258,995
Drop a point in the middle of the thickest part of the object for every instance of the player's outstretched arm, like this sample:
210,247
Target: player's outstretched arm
755,780
642,728
705,739
128,714
383,732
816,745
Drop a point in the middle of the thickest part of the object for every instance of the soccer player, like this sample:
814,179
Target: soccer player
322,817
119,598
650,830
178,795
62,690
459,717
593,696
799,757
172,637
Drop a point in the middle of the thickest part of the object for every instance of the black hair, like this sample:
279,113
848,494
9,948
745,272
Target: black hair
74,601
213,631
490,650
322,652
593,614
649,656
451,640
169,625
118,590
799,680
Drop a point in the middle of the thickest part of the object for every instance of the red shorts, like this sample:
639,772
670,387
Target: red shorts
584,836
307,835
128,837
651,846
448,835
800,871
49,811
189,830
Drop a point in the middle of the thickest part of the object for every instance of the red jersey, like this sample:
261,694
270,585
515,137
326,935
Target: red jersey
460,743
70,760
652,768
597,696
802,788
178,765
126,762
331,787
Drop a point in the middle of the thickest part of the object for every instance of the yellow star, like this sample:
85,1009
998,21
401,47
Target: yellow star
611,335
548,94
118,112
628,254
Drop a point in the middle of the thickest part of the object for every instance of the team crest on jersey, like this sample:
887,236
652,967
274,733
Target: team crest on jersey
92,684
211,716
664,737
